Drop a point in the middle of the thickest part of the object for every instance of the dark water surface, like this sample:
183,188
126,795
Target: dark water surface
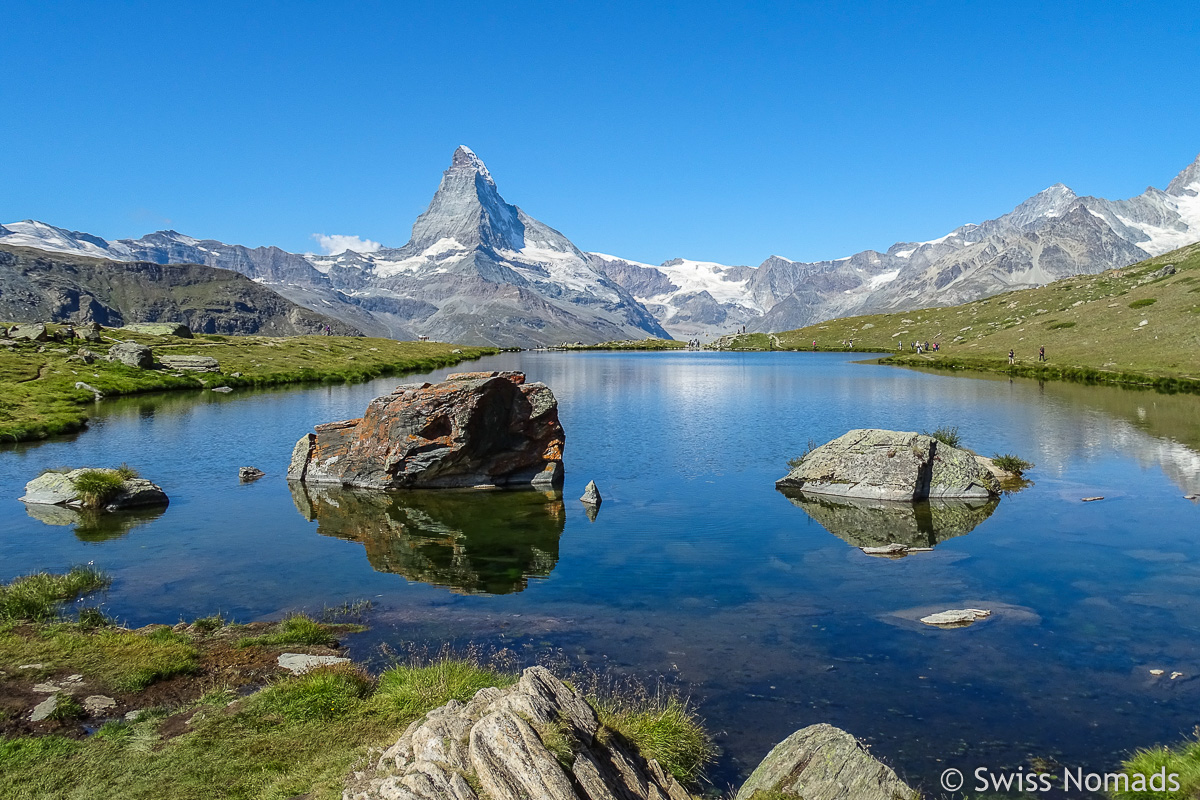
695,567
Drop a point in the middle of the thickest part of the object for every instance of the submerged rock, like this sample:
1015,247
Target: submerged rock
891,465
248,474
822,762
956,617
473,429
537,739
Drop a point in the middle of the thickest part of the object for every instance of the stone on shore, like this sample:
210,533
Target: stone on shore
29,332
160,329
190,363
591,495
97,704
498,741
891,465
58,488
956,617
132,354
44,709
473,429
300,663
822,762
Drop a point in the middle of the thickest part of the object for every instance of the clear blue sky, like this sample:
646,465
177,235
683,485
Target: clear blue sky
714,131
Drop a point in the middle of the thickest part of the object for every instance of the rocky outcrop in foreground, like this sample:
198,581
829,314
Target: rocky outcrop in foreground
473,429
539,739
891,465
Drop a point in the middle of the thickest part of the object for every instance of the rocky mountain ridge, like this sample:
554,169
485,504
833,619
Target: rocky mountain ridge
479,270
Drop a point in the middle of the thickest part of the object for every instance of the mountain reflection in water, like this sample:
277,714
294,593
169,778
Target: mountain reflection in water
878,523
471,542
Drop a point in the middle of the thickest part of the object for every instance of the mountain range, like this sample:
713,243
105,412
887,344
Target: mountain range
478,270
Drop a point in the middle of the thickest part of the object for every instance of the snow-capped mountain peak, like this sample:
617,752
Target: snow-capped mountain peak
1186,183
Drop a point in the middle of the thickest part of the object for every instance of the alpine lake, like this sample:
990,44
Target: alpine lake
696,574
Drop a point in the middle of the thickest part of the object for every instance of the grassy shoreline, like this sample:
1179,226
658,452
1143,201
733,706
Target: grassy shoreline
38,380
216,715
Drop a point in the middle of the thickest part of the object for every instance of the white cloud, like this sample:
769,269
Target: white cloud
338,243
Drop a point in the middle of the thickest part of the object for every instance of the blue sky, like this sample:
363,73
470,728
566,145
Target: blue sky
719,131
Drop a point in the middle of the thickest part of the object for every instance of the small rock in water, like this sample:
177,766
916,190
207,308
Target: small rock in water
893,549
1091,499
1191,497
591,495
1157,672
98,703
300,663
44,709
247,474
222,389
956,617
1175,675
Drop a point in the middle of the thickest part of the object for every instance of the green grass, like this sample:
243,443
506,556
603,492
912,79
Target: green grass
38,597
321,694
1010,463
124,660
1183,760
946,435
295,629
406,689
67,708
662,727
96,487
798,460
1089,325
40,398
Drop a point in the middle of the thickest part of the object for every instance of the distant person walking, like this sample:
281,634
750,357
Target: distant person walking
814,345
1042,353
1011,357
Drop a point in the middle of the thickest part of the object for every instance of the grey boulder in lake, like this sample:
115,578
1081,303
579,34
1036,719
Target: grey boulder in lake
474,429
891,465
822,762
58,488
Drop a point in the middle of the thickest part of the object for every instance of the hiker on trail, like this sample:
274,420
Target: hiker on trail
1011,356
900,345
814,345
850,345
1042,353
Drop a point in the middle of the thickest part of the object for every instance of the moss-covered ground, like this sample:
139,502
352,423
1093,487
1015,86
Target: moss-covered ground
38,381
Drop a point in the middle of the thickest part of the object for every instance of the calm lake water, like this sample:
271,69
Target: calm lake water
696,571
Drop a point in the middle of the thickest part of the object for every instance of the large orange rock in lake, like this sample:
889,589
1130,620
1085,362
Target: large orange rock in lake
473,429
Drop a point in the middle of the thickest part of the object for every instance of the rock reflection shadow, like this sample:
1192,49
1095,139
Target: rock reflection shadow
470,542
94,526
878,523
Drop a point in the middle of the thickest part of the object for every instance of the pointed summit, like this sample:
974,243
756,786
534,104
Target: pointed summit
464,158
468,209
1186,183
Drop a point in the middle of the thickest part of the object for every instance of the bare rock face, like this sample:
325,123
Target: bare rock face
822,762
537,739
473,429
890,465
191,363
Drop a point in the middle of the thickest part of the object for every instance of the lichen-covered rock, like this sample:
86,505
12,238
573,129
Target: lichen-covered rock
58,488
132,354
191,363
537,739
822,762
891,465
473,429
29,331
160,329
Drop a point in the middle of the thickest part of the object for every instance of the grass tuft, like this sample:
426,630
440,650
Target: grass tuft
1183,760
1145,301
415,690
66,709
798,460
946,435
322,694
296,629
96,487
663,727
1010,463
37,597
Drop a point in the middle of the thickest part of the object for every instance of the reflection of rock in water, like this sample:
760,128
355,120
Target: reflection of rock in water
875,523
471,542
94,526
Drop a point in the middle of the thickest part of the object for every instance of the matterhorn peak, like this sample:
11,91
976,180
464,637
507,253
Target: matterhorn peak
464,158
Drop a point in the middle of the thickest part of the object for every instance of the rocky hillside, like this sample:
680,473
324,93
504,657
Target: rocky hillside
36,285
